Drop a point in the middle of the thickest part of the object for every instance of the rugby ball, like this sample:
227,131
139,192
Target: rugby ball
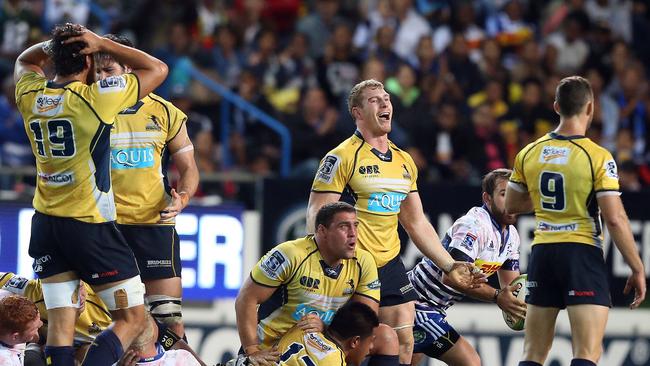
520,293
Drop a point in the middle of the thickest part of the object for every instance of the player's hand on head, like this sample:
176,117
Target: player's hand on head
637,282
266,357
509,303
179,201
93,41
311,323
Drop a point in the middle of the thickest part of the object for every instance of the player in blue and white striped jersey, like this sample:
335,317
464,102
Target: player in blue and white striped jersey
486,237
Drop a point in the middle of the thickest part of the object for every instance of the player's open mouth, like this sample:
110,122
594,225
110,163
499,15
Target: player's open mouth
385,116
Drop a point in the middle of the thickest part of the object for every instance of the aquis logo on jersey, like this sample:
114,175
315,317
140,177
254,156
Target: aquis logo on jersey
385,202
132,158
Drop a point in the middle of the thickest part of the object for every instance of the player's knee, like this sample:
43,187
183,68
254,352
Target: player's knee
166,309
406,342
386,341
127,294
61,294
536,351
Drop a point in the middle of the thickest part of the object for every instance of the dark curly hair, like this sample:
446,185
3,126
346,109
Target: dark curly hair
66,57
115,38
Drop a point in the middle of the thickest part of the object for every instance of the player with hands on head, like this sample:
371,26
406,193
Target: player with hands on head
73,233
143,139
383,181
485,236
569,182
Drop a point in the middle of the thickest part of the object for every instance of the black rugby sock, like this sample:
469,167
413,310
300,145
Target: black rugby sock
529,363
581,362
383,360
59,356
105,350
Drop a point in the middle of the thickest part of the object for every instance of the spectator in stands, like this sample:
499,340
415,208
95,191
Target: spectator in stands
403,87
227,57
633,113
411,27
485,149
464,71
606,110
463,21
571,46
320,25
490,63
383,49
313,131
508,25
531,116
15,149
628,177
263,54
294,72
339,68
425,60
373,69
372,18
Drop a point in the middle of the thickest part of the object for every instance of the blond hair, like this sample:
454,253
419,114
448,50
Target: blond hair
355,98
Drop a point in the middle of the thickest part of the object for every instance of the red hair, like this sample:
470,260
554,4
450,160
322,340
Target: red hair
15,313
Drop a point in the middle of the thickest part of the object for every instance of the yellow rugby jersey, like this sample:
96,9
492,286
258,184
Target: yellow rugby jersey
306,284
563,176
378,182
69,129
298,348
139,159
94,319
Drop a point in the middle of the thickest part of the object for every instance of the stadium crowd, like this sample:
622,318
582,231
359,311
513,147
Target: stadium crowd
472,82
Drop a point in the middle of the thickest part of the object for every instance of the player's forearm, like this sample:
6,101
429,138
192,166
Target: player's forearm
427,241
33,57
621,234
246,312
188,181
136,59
483,293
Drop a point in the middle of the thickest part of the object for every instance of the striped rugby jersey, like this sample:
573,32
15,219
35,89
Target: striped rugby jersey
475,237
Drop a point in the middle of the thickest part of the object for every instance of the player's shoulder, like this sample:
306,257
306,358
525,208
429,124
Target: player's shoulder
533,145
30,80
476,218
364,257
298,249
322,348
592,149
347,149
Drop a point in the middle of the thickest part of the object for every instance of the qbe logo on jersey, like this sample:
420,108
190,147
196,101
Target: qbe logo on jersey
385,202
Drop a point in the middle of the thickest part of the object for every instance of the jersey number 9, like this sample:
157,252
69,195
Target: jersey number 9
551,187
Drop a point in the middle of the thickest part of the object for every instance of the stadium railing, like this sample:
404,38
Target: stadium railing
229,99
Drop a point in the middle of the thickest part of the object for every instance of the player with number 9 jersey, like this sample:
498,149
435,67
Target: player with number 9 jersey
563,175
69,129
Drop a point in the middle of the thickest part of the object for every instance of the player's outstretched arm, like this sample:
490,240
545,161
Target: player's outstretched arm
150,71
316,201
618,224
518,200
250,295
32,59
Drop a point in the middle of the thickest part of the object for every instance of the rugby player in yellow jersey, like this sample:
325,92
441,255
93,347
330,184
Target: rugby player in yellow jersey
305,280
73,233
143,138
565,178
383,181
348,339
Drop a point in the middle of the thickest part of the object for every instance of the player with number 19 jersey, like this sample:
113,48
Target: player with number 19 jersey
69,129
563,175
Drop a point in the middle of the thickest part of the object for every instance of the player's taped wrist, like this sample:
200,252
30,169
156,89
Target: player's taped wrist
246,348
447,267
